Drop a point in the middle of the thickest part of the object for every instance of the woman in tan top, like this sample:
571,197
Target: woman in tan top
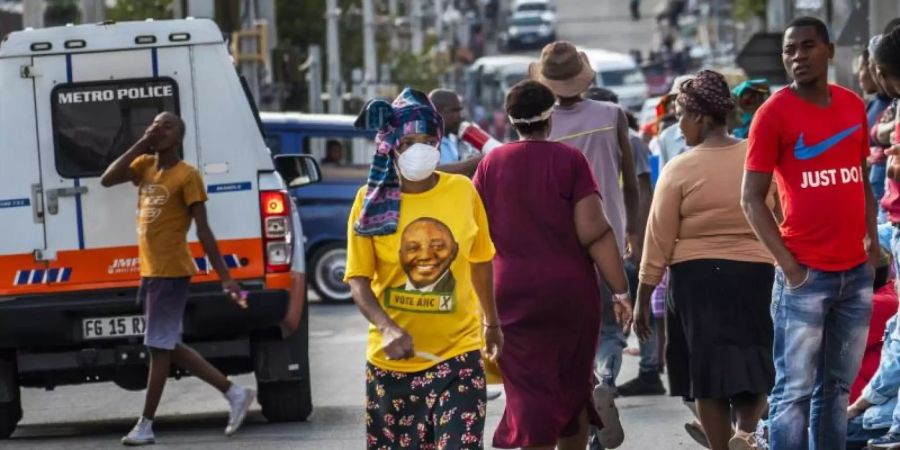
720,281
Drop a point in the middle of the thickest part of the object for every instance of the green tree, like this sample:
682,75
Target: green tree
747,9
125,10
61,12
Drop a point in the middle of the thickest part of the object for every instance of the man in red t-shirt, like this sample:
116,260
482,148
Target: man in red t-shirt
812,137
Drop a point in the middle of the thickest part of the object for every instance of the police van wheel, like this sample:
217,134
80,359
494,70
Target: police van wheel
329,264
285,401
11,408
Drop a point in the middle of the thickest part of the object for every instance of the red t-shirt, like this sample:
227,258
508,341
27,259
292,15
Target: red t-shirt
816,155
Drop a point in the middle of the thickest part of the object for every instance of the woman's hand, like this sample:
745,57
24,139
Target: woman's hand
642,321
643,311
893,166
858,408
624,313
493,343
396,342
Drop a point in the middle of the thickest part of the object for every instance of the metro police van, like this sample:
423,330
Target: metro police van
72,99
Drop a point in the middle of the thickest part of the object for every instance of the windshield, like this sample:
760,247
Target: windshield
620,77
527,21
532,7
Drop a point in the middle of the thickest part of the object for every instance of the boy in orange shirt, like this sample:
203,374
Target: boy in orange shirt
171,195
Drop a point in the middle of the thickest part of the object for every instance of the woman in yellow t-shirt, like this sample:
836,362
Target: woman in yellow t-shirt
419,267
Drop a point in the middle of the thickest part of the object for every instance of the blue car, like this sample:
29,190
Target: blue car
344,153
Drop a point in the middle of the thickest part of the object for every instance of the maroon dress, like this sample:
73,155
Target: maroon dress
546,288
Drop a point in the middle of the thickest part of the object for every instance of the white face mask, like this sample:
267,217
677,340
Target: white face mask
418,161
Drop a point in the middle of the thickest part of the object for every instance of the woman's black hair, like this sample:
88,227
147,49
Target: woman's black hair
887,53
894,23
529,98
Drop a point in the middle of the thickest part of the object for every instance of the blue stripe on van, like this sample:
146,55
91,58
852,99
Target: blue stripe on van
228,187
155,59
15,203
78,213
79,217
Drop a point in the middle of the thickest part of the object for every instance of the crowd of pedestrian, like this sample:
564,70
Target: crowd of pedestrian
758,256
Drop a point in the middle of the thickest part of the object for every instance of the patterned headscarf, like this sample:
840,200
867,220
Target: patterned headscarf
706,93
410,113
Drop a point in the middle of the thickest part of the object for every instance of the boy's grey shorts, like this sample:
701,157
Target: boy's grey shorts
164,300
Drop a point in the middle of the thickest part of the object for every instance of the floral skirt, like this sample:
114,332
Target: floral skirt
439,408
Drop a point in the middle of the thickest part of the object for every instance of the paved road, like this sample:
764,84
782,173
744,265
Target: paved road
192,415
607,24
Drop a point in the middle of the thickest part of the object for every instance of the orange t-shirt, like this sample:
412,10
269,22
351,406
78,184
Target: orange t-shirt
164,217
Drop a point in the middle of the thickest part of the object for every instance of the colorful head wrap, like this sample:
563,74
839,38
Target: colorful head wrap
706,93
410,113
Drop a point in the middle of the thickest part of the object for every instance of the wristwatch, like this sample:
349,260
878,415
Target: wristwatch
622,298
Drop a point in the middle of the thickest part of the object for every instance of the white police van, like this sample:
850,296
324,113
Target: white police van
72,99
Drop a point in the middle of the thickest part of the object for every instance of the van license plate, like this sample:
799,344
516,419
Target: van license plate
113,327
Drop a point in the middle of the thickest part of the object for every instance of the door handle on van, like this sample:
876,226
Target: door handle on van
53,196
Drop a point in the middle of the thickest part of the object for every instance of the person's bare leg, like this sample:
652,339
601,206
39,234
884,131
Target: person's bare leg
188,359
160,361
715,416
749,408
580,439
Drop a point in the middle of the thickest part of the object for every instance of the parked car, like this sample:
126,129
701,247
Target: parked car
529,31
326,205
621,74
540,8
74,99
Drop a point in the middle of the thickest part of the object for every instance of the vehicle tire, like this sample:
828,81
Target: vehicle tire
132,378
10,411
285,401
327,267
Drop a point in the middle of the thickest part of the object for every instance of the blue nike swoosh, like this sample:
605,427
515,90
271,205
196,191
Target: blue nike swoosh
801,151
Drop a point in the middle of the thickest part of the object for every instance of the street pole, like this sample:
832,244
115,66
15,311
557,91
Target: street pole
333,47
93,11
394,12
370,65
415,25
33,14
314,78
250,47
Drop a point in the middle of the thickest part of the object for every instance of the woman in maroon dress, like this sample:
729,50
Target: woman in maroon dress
551,235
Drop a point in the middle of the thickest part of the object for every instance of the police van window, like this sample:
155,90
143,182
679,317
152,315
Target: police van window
94,123
340,151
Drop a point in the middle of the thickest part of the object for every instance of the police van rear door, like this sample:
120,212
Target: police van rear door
91,107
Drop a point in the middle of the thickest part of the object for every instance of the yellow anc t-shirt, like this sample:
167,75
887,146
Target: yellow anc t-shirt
163,217
421,274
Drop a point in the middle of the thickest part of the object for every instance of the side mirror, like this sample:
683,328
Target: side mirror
298,170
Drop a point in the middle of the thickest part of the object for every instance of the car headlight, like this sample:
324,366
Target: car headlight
543,30
513,31
547,16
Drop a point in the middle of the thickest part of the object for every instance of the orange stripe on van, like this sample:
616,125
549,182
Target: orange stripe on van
111,267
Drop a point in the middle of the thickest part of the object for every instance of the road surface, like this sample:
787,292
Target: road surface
193,416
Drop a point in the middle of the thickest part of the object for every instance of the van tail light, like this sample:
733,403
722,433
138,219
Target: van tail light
275,208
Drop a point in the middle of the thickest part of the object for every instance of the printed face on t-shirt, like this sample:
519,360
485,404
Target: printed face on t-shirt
427,249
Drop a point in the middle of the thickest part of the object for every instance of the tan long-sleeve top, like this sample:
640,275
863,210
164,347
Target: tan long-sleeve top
696,213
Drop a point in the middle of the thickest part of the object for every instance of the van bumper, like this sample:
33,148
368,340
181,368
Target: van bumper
56,321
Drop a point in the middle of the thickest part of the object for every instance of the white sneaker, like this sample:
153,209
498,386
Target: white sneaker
494,392
141,434
239,399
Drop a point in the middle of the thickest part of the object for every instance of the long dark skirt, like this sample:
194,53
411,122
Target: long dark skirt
719,328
